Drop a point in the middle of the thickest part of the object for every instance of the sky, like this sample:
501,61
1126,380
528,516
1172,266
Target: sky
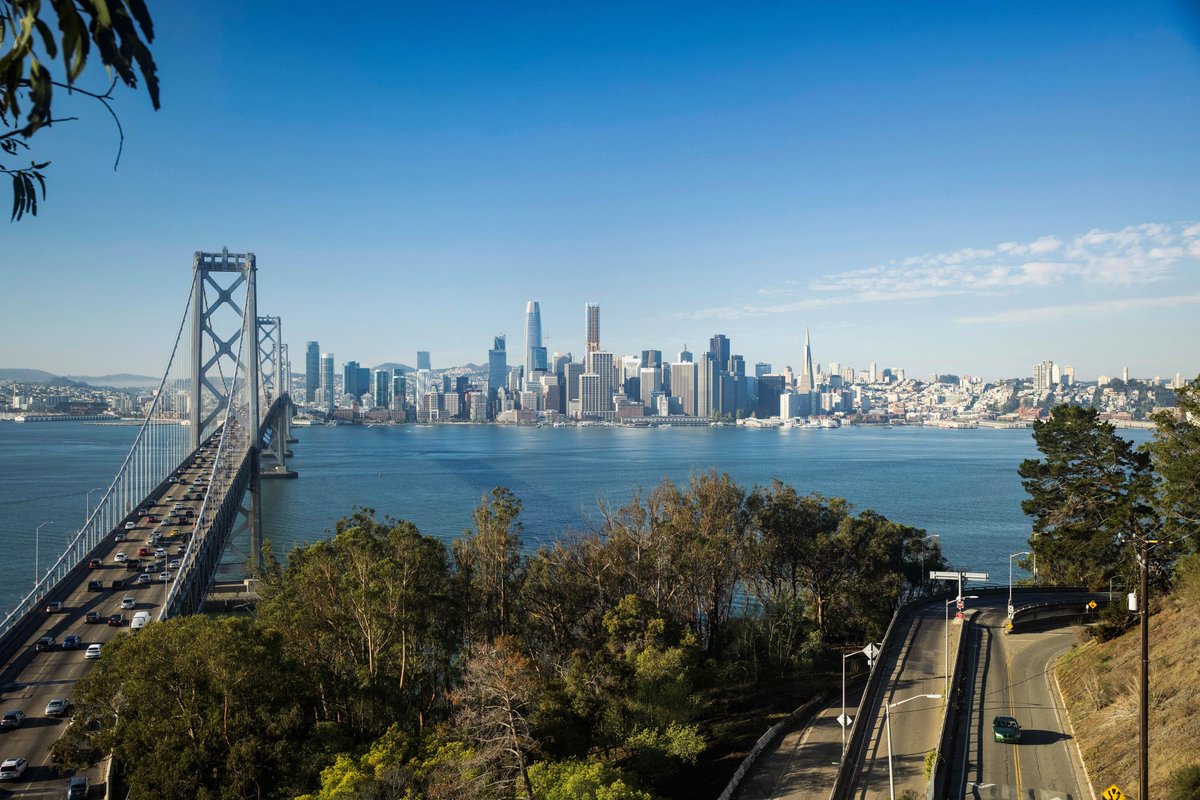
963,188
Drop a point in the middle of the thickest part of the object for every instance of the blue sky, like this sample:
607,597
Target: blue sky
959,187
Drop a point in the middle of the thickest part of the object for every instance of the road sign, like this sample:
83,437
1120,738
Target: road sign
871,650
1113,793
844,719
960,604
936,575
1091,604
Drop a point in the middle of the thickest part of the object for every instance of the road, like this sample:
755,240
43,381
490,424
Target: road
53,674
1010,675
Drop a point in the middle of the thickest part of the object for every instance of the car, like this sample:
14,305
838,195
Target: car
128,601
178,506
77,788
120,558
1007,730
95,586
143,551
45,643
57,707
142,581
149,518
119,583
54,607
174,563
130,526
133,565
115,620
12,768
160,553
93,650
165,577
12,719
120,537
93,617
95,563
72,642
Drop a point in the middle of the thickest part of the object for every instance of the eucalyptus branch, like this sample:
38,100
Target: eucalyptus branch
104,101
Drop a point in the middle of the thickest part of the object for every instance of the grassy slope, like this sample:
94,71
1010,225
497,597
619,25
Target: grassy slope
1100,684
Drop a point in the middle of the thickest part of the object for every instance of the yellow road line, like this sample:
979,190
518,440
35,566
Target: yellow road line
1012,712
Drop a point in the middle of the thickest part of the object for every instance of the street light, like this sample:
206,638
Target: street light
870,651
887,722
37,560
87,503
1010,560
946,659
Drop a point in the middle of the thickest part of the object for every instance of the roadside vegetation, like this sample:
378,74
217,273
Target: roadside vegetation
1096,500
383,664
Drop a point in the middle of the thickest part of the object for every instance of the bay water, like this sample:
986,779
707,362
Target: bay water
960,484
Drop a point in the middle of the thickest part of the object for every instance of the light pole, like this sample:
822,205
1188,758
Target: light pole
1010,560
870,651
37,559
87,503
946,651
887,723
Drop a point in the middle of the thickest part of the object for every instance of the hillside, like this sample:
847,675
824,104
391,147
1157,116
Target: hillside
1100,684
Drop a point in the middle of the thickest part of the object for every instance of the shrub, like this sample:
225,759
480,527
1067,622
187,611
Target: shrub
1185,783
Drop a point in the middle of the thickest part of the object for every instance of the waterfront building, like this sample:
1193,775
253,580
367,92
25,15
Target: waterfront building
601,363
770,387
399,390
327,387
592,310
649,385
594,397
312,371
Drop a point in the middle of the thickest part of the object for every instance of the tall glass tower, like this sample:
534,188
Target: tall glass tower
593,327
312,371
327,380
535,354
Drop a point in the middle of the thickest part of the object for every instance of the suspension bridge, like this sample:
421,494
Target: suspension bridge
188,489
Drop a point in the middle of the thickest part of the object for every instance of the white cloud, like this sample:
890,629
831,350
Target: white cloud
1133,256
1101,307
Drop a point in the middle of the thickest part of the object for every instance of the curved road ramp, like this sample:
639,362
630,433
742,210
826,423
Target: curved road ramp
942,749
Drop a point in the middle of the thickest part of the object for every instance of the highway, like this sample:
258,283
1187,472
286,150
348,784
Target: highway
1009,674
46,675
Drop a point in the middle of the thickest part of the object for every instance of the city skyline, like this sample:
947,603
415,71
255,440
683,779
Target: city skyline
951,189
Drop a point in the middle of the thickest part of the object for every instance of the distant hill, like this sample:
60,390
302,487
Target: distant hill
121,380
35,376
392,365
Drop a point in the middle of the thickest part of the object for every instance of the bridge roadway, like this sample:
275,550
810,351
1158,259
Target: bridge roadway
46,675
1011,678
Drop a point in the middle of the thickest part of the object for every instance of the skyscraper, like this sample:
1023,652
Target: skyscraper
535,354
382,389
601,364
423,359
312,371
593,327
327,381
399,390
807,381
651,358
707,385
683,386
497,370
685,355
350,387
718,345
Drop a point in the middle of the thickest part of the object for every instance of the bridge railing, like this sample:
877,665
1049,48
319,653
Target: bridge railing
160,445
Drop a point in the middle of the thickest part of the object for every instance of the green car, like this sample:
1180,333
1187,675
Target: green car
1007,730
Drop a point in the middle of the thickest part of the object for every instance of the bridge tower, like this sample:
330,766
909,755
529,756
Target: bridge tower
223,330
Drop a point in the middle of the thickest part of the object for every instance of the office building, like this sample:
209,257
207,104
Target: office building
327,388
423,360
572,372
649,384
1043,376
708,376
651,358
312,371
593,327
761,368
737,365
718,345
683,386
600,363
382,390
399,390
497,370
594,398
685,355
807,381
535,354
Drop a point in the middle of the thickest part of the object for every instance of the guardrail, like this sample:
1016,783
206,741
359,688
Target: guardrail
947,738
1039,615
802,713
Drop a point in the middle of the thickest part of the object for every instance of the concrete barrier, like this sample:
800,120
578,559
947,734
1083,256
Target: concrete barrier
801,714
948,737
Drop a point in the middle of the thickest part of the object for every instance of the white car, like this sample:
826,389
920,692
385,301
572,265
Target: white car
160,553
12,768
120,558
130,526
93,651
174,563
165,577
128,601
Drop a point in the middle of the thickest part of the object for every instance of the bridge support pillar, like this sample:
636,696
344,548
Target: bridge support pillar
254,512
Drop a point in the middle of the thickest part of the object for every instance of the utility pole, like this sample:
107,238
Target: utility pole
1144,614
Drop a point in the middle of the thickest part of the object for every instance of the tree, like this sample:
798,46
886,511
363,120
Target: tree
592,779
1175,451
371,614
194,709
489,563
120,30
1091,490
497,696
